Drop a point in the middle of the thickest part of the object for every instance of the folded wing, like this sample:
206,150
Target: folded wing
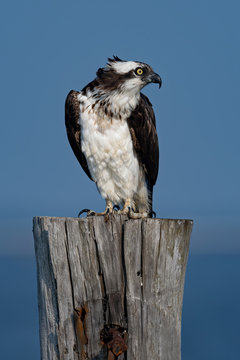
73,128
142,126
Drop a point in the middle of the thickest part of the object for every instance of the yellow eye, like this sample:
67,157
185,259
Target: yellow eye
139,71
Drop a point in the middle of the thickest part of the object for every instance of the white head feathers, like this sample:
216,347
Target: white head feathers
123,67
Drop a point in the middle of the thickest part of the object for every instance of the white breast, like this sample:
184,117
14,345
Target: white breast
109,152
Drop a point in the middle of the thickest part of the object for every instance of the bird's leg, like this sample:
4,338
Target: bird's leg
108,210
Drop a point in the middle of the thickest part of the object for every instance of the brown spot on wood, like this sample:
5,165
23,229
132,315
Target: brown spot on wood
80,315
111,356
114,337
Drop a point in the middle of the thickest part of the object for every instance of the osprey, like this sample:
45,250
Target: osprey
111,128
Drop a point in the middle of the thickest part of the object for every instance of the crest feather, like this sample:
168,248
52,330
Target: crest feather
115,59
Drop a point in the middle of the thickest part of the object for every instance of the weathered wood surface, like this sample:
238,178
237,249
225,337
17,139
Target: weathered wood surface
125,272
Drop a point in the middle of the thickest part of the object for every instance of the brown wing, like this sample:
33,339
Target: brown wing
73,128
142,125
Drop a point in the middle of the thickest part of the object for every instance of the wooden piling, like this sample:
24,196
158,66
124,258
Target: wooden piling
110,289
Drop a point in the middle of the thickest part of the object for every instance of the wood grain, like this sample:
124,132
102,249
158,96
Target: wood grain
124,272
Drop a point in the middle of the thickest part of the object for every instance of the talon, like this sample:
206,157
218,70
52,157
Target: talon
91,213
83,211
152,214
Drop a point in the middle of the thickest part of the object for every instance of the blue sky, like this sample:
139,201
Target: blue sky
51,47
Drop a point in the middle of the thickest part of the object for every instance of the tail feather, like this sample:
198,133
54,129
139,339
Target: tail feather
150,199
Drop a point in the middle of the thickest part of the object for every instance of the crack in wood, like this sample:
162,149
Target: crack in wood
68,262
102,281
125,279
141,271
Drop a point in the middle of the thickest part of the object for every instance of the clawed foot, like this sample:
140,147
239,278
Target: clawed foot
128,209
109,210
140,215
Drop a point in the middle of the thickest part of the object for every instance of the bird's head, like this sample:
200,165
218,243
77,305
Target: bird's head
126,76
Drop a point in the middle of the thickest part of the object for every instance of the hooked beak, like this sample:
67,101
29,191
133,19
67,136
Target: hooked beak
155,78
